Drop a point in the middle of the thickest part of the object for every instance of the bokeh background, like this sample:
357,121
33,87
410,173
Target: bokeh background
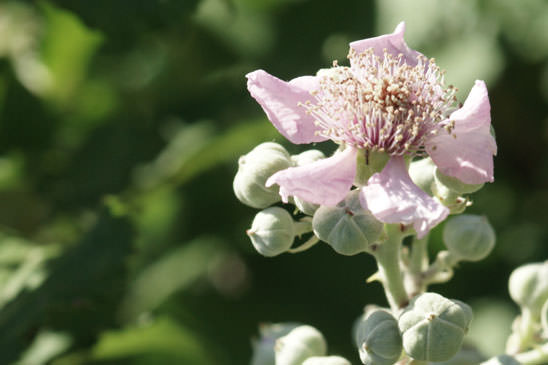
121,123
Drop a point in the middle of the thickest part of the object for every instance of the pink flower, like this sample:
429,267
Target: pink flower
390,99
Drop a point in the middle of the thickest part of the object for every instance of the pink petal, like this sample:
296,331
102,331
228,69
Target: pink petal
393,43
467,153
323,182
280,99
392,197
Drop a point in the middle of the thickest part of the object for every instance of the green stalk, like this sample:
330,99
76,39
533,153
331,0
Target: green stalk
537,356
418,260
526,328
387,255
417,264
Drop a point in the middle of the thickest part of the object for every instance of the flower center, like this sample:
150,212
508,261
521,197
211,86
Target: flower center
382,104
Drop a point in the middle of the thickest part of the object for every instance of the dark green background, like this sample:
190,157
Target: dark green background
121,123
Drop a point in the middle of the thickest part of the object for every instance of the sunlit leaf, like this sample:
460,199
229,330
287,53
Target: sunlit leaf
68,48
227,147
162,336
175,271
46,346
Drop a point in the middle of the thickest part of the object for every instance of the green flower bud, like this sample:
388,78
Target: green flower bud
263,348
422,173
468,313
378,338
433,327
501,360
298,345
304,206
301,159
528,286
253,171
469,237
466,356
272,231
326,360
454,184
347,227
367,310
307,157
451,199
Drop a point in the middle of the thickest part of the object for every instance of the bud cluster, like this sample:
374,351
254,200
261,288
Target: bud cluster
348,228
408,157
528,287
421,326
292,344
450,191
274,229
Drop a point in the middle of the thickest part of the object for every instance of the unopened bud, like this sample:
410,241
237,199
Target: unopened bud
469,237
347,227
467,310
378,338
433,327
452,200
272,231
326,360
454,184
253,171
301,159
263,348
528,286
501,360
422,173
298,345
306,157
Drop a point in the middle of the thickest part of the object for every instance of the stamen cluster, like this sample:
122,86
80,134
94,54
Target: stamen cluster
382,104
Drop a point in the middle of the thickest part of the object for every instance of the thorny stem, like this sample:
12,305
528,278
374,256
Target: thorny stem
387,255
537,356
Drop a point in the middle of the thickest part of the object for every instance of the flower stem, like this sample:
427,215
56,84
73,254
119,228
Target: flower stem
537,356
526,329
418,259
305,246
441,269
418,362
303,226
418,262
387,255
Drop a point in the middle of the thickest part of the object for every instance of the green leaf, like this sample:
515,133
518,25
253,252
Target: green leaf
67,51
80,293
174,271
163,337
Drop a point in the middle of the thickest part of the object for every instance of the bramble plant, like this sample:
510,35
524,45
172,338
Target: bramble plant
408,157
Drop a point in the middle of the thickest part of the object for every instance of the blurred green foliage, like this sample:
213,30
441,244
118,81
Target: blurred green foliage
120,129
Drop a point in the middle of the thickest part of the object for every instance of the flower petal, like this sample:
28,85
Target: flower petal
467,153
280,99
393,43
325,181
392,197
